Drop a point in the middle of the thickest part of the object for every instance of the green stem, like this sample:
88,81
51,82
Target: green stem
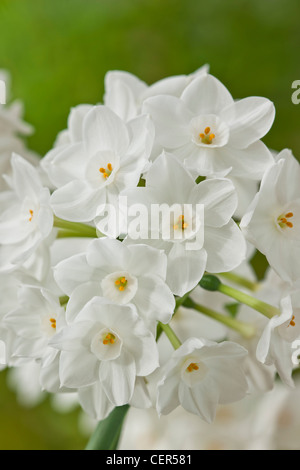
245,329
176,343
241,281
75,228
266,309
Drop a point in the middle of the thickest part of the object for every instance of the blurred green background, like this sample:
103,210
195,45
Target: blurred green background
58,52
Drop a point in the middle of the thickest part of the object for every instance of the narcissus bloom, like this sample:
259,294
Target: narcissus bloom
275,346
26,216
210,132
90,173
272,221
109,344
219,247
123,274
200,375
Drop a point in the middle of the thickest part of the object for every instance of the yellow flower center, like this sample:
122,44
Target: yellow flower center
109,338
292,322
207,137
31,215
180,224
193,366
121,283
284,220
106,172
53,323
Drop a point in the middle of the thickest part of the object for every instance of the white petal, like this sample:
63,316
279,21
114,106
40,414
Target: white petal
225,246
141,397
167,395
249,119
72,272
108,252
171,118
26,180
104,130
219,198
206,95
165,173
185,268
95,402
80,296
251,162
65,163
118,378
75,121
146,259
77,202
201,399
78,369
154,300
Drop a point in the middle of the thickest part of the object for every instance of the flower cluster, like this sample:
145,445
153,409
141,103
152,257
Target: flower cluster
126,252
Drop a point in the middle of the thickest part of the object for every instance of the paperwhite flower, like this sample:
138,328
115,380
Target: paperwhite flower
107,156
34,322
132,274
200,375
275,345
106,344
223,247
210,132
26,217
125,93
272,222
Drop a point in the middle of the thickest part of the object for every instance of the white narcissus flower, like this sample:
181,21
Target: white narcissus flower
210,132
109,156
36,319
275,346
26,218
200,375
122,274
223,247
125,93
107,344
272,221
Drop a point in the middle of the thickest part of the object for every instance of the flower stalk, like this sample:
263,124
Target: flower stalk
266,309
74,229
174,340
245,329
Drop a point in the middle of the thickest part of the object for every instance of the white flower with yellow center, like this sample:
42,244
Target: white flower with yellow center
275,346
201,374
26,218
210,132
34,322
123,274
272,221
109,345
219,245
108,156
